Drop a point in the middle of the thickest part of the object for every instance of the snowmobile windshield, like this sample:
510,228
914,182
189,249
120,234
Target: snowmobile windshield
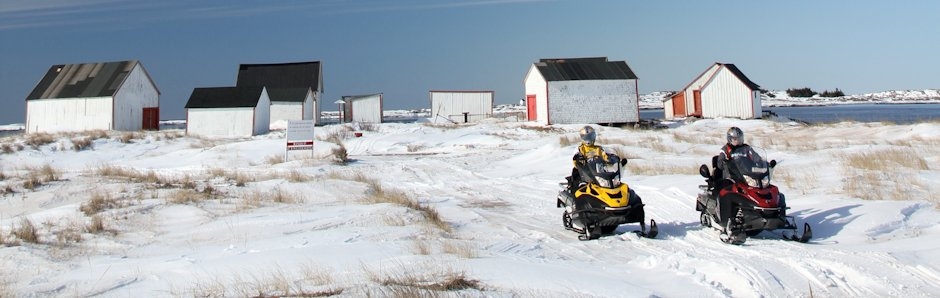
605,173
750,166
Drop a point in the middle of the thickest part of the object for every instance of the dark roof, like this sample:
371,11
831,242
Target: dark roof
737,72
288,94
280,75
349,98
224,97
573,69
82,80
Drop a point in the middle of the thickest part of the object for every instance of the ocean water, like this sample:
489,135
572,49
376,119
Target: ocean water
893,113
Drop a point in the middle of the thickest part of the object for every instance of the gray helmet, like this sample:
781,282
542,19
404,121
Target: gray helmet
735,136
588,136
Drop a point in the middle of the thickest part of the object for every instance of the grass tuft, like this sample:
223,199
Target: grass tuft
26,231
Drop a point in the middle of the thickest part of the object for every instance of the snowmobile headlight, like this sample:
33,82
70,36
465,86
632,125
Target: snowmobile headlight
765,182
603,182
751,181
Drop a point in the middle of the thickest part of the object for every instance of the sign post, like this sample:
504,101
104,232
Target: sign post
299,136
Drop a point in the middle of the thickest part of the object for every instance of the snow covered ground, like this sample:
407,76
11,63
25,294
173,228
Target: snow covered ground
438,210
654,100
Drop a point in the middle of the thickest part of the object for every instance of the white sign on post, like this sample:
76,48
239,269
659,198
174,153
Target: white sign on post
299,136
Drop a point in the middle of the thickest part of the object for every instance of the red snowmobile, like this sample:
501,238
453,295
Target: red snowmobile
745,204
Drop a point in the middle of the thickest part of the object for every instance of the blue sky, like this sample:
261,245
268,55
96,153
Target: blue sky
404,48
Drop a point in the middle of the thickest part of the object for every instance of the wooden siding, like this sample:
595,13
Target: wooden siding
136,93
458,105
284,111
220,122
366,109
724,95
69,114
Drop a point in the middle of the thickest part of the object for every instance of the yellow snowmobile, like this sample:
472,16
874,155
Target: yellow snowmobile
598,202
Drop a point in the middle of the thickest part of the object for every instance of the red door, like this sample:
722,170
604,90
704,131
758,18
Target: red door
530,106
698,102
151,119
678,105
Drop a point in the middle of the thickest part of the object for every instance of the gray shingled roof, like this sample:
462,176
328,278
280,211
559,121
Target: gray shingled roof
82,80
280,75
224,97
593,68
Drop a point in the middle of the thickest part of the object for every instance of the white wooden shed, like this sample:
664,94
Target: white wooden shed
294,88
90,96
363,108
228,112
581,90
461,106
722,90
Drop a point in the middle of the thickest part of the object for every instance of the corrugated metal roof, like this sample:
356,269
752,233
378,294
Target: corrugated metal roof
593,68
737,72
288,94
224,97
280,75
82,80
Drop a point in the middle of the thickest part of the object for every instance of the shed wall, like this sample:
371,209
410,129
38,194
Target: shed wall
136,93
367,109
726,96
593,101
68,114
219,122
453,105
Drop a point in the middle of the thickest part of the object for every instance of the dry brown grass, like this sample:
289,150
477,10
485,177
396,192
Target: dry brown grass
35,140
423,282
36,177
888,174
378,194
99,202
340,156
285,197
310,282
128,137
82,143
887,159
645,168
186,196
275,159
801,181
26,231
464,249
297,176
96,225
68,235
